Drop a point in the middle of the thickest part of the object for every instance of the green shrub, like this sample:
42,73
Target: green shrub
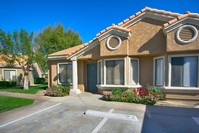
6,84
128,96
39,80
118,91
57,91
157,91
149,95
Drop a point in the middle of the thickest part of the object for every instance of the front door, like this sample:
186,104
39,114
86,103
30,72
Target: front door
92,77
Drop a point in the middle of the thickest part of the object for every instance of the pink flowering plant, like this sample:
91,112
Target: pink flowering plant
149,95
57,91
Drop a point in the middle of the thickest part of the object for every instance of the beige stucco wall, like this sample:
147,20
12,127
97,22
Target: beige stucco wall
147,38
53,73
104,51
81,75
93,53
20,75
146,70
174,45
52,67
127,70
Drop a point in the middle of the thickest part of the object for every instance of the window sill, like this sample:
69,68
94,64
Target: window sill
70,84
118,86
181,88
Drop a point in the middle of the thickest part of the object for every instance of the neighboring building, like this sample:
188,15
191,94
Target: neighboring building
15,73
154,47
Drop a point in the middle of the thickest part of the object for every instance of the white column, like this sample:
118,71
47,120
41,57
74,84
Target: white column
74,89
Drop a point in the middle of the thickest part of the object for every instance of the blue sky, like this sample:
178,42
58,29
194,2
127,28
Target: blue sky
87,17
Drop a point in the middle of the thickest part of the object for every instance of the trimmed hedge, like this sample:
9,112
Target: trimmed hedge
5,84
39,80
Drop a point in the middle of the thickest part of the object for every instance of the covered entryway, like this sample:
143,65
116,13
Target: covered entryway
92,78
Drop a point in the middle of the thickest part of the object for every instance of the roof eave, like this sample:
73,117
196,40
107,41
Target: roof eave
179,23
55,57
84,49
118,32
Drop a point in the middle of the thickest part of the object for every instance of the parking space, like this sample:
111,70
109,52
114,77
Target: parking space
68,115
63,118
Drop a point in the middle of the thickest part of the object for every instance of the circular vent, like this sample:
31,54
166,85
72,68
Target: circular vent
186,34
113,42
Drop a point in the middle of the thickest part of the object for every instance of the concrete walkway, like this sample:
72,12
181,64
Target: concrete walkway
38,96
89,99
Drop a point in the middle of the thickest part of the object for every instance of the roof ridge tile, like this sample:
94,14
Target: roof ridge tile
180,17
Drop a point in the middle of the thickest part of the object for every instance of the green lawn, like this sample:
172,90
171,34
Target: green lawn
31,90
9,103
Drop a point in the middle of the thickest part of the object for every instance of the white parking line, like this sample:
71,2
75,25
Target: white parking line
107,115
29,115
111,115
197,106
101,123
196,119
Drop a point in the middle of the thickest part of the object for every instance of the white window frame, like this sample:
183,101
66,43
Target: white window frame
119,43
9,70
124,72
163,76
99,67
169,72
130,72
59,72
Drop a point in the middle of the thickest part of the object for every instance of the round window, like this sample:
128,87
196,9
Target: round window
186,34
113,42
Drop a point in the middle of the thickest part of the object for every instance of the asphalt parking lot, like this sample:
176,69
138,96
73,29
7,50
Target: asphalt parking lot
68,115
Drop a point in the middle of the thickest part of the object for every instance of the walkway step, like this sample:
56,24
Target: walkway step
194,97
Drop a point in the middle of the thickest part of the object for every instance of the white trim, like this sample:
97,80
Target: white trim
63,63
108,42
163,76
187,26
114,59
57,57
75,89
104,75
118,86
148,14
180,88
11,69
179,23
169,68
114,32
99,67
130,71
85,49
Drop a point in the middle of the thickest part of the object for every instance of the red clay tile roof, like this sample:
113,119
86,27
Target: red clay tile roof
150,10
113,26
68,51
187,14
2,62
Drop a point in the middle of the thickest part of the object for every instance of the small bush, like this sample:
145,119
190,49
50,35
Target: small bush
155,90
39,80
128,96
6,84
118,91
57,91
